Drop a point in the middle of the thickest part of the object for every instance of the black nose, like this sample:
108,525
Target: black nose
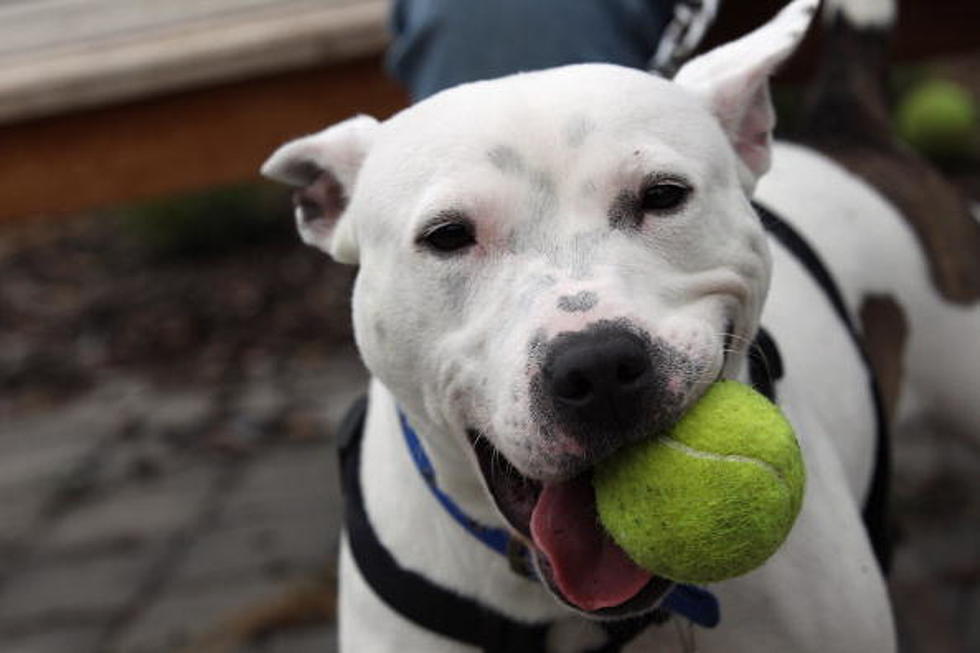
601,382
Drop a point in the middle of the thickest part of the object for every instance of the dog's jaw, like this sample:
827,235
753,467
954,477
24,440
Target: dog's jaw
615,588
556,518
513,494
549,503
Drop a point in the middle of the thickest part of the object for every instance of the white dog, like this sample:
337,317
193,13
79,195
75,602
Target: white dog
555,263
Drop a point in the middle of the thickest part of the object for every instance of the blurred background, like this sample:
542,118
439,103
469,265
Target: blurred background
174,363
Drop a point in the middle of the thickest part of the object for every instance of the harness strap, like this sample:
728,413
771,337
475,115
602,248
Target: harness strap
423,602
875,513
693,603
497,539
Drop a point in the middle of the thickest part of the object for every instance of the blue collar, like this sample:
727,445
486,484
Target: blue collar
689,601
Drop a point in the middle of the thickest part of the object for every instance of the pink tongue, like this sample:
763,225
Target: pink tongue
587,566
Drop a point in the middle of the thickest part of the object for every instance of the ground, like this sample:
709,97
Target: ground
166,451
167,474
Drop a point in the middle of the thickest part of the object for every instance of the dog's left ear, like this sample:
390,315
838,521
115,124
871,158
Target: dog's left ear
734,81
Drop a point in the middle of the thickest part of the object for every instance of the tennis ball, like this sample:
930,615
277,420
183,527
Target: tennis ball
711,499
938,118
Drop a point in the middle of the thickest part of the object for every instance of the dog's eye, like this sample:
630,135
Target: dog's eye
664,196
449,236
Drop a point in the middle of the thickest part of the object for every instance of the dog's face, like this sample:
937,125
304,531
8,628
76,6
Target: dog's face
552,265
513,227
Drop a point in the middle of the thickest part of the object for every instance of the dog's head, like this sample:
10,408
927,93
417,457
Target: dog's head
552,265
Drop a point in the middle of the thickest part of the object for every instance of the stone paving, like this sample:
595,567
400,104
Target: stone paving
119,537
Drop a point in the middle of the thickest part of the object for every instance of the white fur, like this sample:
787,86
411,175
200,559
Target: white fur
872,251
337,151
821,592
447,338
707,262
733,80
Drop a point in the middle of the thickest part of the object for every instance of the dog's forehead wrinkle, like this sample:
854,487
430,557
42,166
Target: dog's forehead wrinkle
513,243
543,198
507,160
447,125
530,288
578,253
541,191
577,130
457,289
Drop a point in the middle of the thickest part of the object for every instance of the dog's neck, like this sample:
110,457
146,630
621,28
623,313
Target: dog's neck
423,537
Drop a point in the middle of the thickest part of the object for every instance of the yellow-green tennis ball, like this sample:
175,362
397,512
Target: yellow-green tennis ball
938,118
712,499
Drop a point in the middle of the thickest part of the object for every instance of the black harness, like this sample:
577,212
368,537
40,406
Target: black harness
423,602
875,513
462,619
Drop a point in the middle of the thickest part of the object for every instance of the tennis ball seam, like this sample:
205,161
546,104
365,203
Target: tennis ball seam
730,457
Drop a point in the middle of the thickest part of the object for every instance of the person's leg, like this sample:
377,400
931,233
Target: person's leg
442,43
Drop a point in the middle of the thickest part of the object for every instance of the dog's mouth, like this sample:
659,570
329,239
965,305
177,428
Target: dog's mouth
559,523
573,553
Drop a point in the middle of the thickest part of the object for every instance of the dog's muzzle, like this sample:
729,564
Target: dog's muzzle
599,382
603,387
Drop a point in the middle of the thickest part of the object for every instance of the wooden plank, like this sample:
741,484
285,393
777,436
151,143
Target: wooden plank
29,27
188,141
68,54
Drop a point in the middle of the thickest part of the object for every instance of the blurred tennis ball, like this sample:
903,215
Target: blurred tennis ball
938,118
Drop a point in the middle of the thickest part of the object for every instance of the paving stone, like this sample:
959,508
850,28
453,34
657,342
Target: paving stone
262,402
43,450
281,519
137,458
179,617
330,386
89,590
81,423
43,464
87,414
177,415
67,640
142,511
20,510
273,548
298,480
39,455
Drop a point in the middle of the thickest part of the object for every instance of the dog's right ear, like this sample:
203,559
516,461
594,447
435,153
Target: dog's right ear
323,168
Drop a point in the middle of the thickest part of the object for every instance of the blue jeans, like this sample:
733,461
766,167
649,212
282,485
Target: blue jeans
442,43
